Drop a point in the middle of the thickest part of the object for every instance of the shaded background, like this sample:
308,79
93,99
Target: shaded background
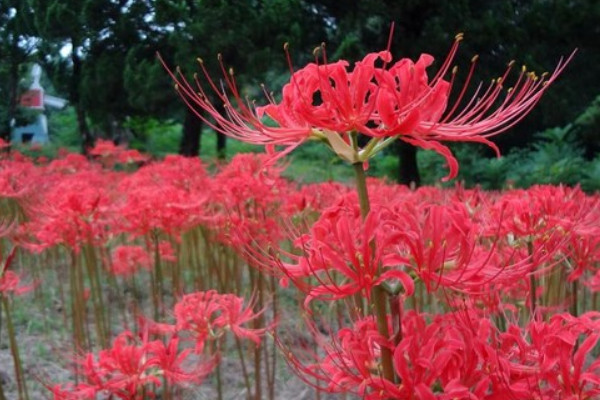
100,55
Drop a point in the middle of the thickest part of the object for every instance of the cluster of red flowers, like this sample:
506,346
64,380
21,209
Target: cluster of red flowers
136,367
490,277
461,355
461,247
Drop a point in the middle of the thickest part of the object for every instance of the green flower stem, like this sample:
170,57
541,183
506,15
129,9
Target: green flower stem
382,145
532,282
361,188
2,396
14,349
378,294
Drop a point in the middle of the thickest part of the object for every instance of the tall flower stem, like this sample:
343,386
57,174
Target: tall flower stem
532,283
14,349
378,294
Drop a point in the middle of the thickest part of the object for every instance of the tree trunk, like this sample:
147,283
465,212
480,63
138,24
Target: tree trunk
13,83
221,143
190,140
408,171
87,140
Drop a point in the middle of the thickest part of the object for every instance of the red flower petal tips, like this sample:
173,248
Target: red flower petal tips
328,101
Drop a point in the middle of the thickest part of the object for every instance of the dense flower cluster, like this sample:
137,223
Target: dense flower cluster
463,356
136,366
483,281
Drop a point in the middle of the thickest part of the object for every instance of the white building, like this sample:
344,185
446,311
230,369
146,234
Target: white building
36,99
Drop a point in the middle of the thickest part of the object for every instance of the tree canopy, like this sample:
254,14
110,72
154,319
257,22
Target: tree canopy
101,54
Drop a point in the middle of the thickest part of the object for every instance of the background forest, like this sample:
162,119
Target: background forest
101,56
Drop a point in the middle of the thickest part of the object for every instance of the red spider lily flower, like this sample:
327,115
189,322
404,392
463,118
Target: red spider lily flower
75,210
19,180
461,355
121,372
109,154
133,366
9,283
329,102
552,359
350,360
206,315
247,201
126,260
341,255
9,280
170,363
81,391
168,196
437,358
166,251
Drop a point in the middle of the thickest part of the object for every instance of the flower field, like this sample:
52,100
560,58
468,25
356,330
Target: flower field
154,279
157,272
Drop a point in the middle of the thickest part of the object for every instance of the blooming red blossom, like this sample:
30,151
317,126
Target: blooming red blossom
109,154
9,283
132,367
126,260
461,355
327,101
206,316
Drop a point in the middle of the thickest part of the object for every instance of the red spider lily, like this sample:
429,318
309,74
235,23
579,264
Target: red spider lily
9,283
170,362
326,101
110,154
126,260
166,251
19,179
342,254
247,201
463,356
9,280
550,362
169,196
75,210
130,369
206,316
446,248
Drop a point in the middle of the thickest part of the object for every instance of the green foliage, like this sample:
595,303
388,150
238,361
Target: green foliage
555,158
62,129
314,162
153,136
587,126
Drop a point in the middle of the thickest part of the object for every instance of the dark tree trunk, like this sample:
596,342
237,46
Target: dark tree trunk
221,139
87,140
221,143
190,140
12,88
408,171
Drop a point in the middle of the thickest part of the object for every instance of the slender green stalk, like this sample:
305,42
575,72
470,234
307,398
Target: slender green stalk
100,311
257,279
378,294
156,277
240,351
361,189
14,349
2,397
219,382
532,282
574,298
274,300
